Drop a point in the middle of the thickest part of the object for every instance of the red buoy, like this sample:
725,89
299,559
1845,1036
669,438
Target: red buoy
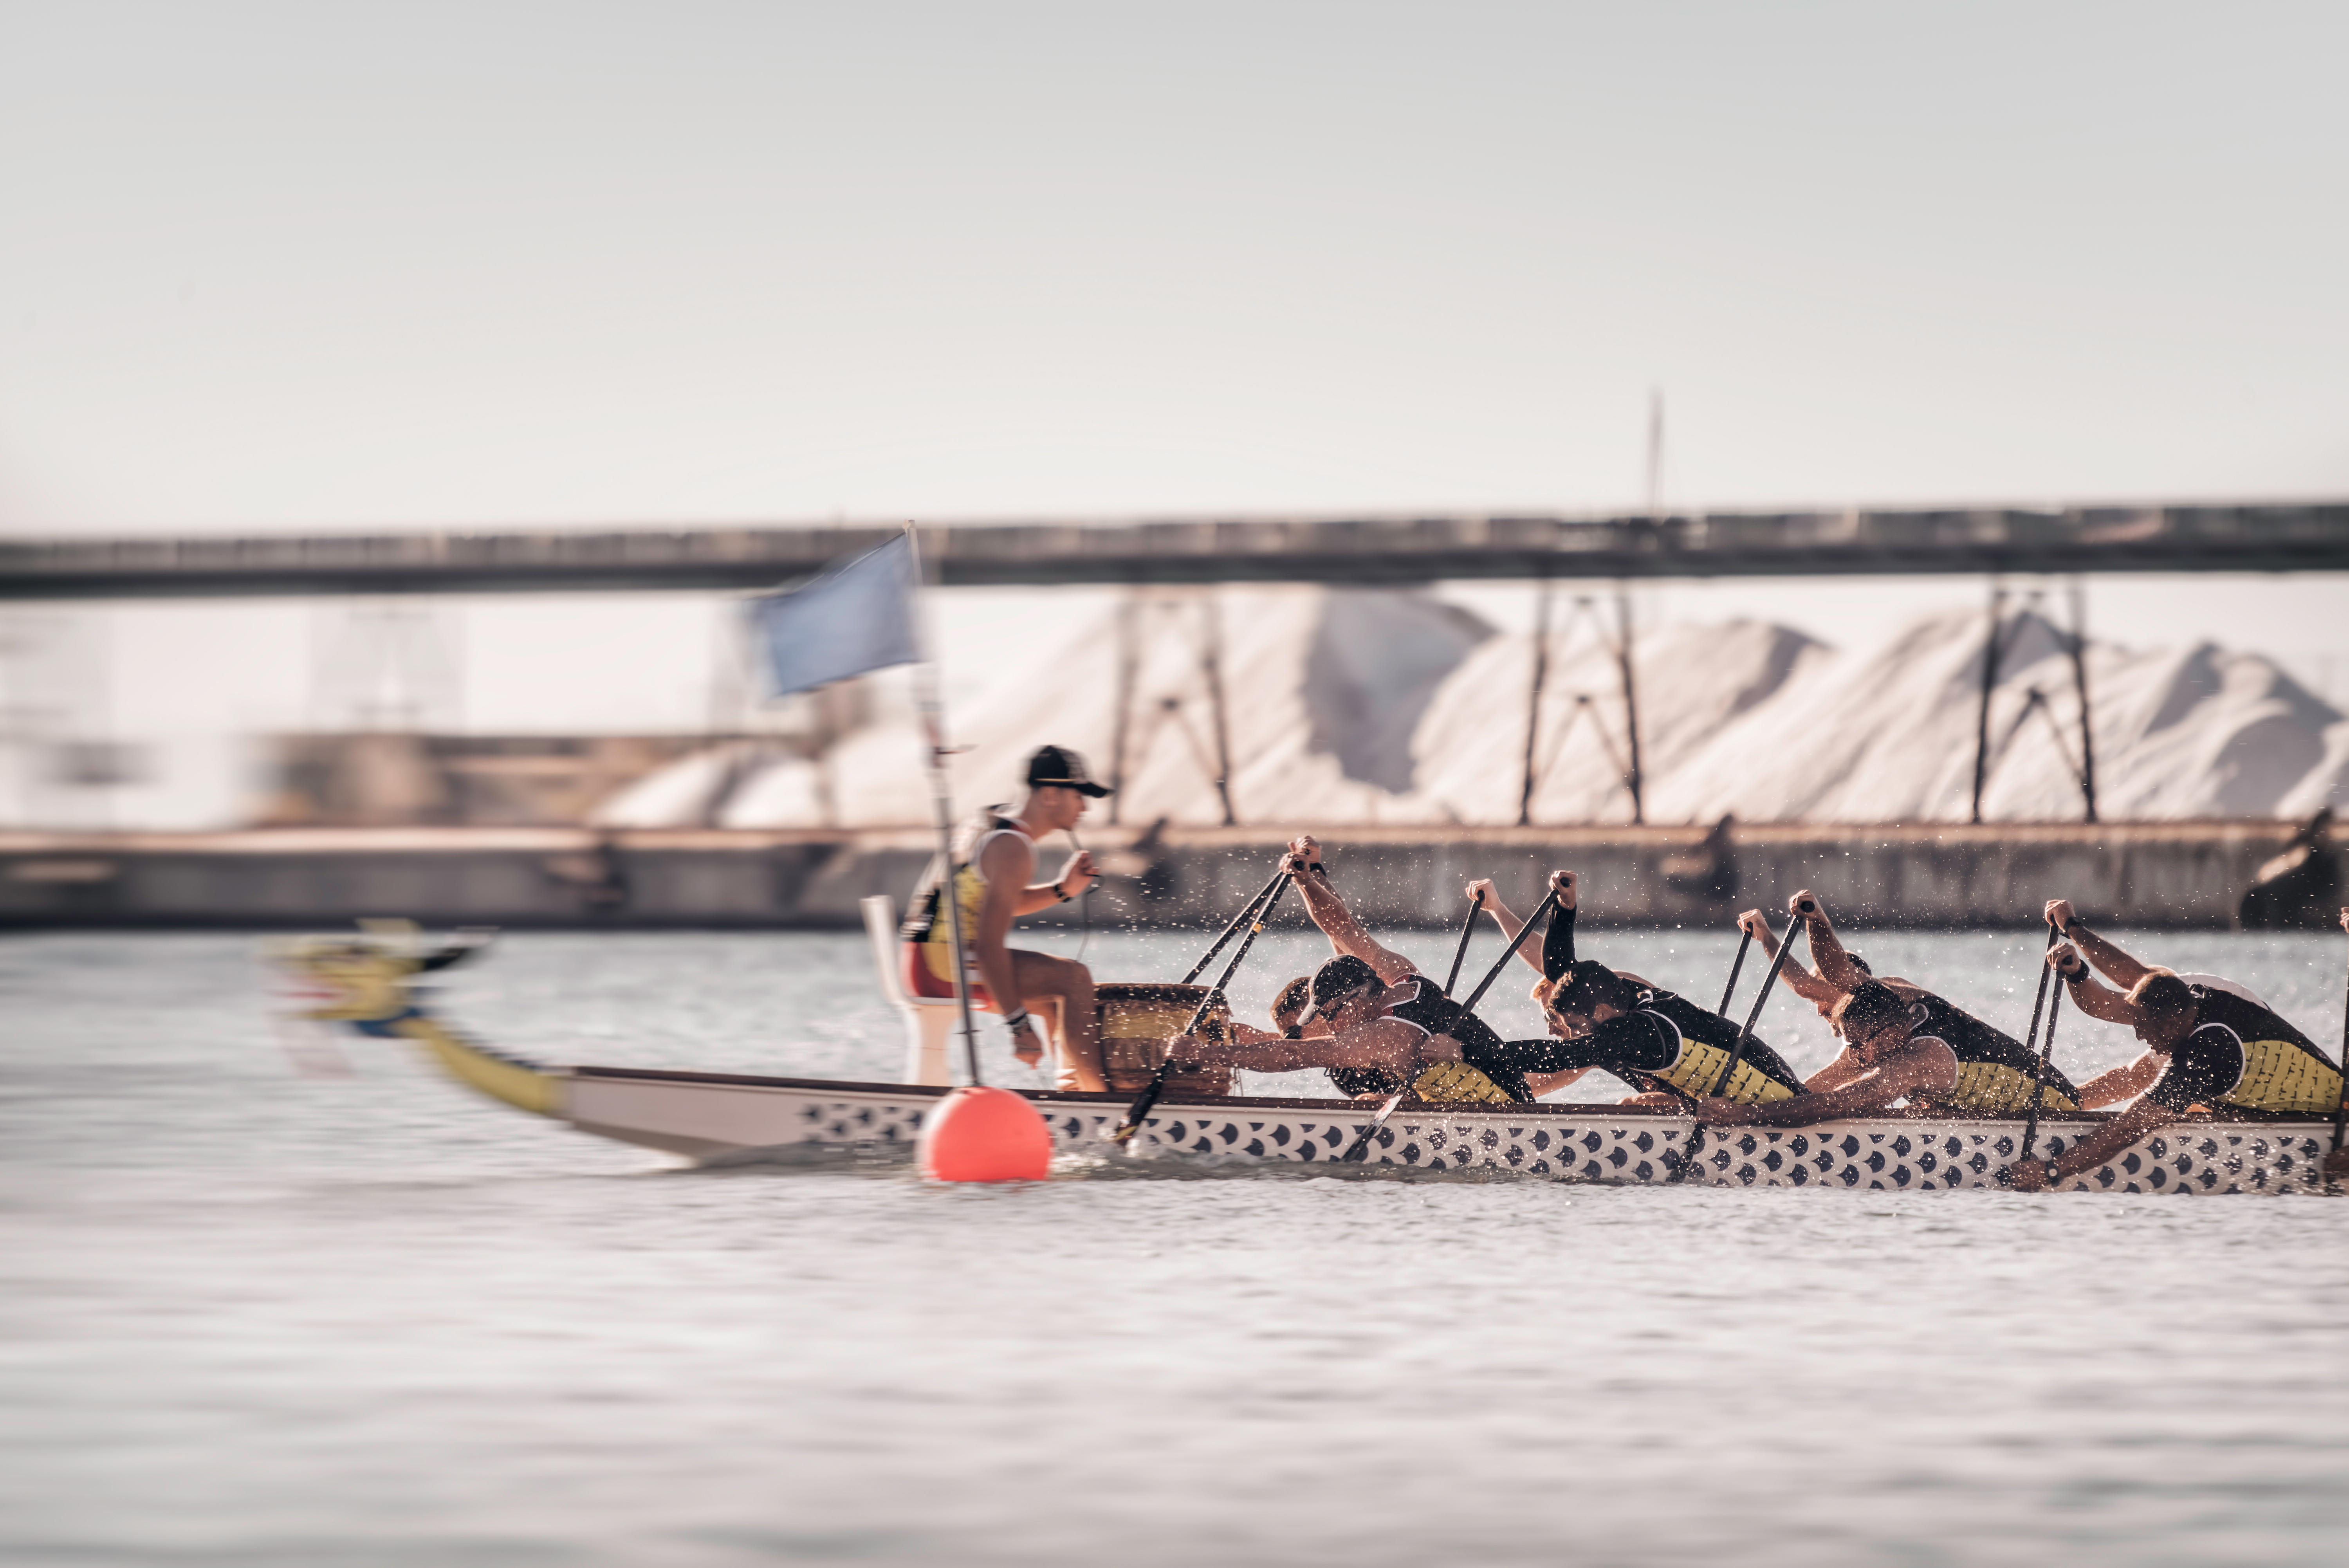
984,1135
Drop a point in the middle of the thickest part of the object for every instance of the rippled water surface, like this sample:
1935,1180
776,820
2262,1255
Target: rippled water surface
256,1314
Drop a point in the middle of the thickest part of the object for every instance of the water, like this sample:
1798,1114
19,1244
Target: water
258,1318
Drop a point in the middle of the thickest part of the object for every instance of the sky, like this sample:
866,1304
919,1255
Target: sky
303,265
277,267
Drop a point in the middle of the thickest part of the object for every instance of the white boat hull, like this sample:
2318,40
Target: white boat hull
712,1117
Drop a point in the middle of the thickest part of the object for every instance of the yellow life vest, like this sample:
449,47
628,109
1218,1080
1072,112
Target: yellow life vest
933,923
1698,1067
1457,1082
1995,1086
2278,1075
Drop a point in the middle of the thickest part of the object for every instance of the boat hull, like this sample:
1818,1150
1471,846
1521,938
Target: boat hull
728,1118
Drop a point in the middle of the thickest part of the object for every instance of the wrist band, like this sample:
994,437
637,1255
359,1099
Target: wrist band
1063,893
1016,1019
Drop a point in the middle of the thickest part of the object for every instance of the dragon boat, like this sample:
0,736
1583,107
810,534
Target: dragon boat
369,984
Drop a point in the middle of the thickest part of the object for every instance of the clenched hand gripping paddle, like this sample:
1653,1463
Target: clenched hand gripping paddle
1261,909
1354,1150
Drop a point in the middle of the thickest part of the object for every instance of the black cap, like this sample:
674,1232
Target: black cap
1336,980
1060,765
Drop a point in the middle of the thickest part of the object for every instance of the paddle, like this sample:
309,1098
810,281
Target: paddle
2039,1079
1467,929
1237,921
1354,1150
1737,1052
1144,1101
1736,966
2046,1046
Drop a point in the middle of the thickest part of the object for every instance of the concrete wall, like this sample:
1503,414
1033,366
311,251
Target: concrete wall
2163,875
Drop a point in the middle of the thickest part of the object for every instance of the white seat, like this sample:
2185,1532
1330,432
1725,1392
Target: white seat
929,1020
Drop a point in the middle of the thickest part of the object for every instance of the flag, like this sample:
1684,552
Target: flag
855,618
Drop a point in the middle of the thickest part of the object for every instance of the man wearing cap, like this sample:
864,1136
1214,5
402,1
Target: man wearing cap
993,862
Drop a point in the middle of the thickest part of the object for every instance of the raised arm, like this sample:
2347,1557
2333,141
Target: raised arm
2095,1000
2125,971
1557,943
1799,980
1337,921
1835,967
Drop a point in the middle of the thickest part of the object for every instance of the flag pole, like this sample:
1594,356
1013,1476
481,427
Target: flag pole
933,710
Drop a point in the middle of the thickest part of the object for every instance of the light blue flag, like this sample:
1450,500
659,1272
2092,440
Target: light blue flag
856,617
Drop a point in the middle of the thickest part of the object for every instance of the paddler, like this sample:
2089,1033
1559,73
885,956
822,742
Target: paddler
1391,1034
1900,1042
1996,1071
1665,1046
993,863
1371,1020
2210,1045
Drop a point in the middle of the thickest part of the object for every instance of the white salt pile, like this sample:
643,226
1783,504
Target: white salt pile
1359,706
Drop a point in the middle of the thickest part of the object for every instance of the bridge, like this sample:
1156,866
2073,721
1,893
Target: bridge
2311,536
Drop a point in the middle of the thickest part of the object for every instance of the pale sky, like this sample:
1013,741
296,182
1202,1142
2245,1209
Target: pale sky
280,266
304,265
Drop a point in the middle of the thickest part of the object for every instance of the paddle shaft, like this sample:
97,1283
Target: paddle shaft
1237,921
1355,1149
1510,951
1143,1102
1754,1015
1736,966
2039,1080
1737,1052
1467,929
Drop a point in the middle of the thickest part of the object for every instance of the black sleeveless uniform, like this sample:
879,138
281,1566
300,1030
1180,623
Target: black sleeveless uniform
1666,1043
2242,1058
1436,1013
1994,1070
